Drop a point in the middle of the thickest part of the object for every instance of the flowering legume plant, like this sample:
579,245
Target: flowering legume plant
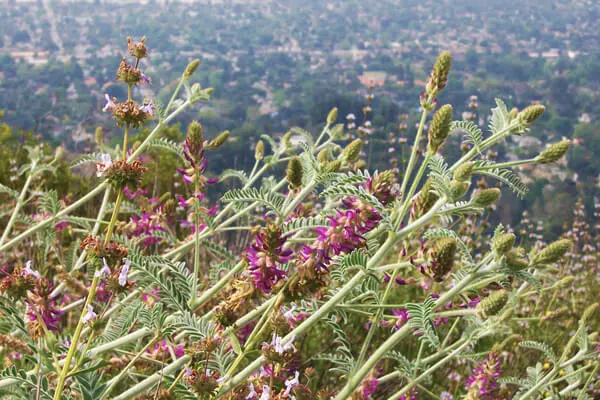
313,278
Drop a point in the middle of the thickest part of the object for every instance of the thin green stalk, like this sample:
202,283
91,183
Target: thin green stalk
411,192
505,164
196,241
428,372
375,322
114,381
214,289
19,204
356,378
90,297
153,379
415,149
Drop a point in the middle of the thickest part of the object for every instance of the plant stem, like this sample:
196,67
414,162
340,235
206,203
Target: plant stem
20,202
428,372
415,149
116,379
91,294
356,378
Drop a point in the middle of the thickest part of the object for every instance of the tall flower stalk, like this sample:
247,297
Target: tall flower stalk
239,299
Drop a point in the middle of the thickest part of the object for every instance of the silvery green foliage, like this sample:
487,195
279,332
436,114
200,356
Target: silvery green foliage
356,283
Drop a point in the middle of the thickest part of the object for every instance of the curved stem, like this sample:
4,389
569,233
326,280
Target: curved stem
116,379
19,204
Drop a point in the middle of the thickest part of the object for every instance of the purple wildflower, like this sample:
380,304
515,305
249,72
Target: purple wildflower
265,256
124,272
110,103
90,315
148,108
369,387
103,164
104,271
42,308
483,382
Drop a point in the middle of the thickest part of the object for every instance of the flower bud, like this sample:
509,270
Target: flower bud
463,172
195,133
503,243
553,252
439,74
360,164
191,68
332,116
59,153
485,197
492,304
138,50
442,258
323,156
218,141
458,189
333,166
515,259
440,127
259,151
425,200
531,113
294,173
352,151
99,136
513,113
554,152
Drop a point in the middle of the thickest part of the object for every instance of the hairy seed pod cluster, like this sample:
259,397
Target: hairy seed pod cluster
554,152
492,304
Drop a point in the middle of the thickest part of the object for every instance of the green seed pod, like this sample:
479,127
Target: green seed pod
323,156
294,173
259,151
352,151
503,243
286,140
515,259
191,68
553,252
442,258
439,74
566,281
531,113
99,136
332,116
425,200
333,166
360,164
59,153
195,133
440,127
218,141
553,153
458,189
464,171
485,197
169,206
492,304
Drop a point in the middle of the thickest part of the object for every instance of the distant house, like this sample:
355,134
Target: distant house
375,78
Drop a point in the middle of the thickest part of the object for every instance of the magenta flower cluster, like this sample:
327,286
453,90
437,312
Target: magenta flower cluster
345,233
266,255
483,382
